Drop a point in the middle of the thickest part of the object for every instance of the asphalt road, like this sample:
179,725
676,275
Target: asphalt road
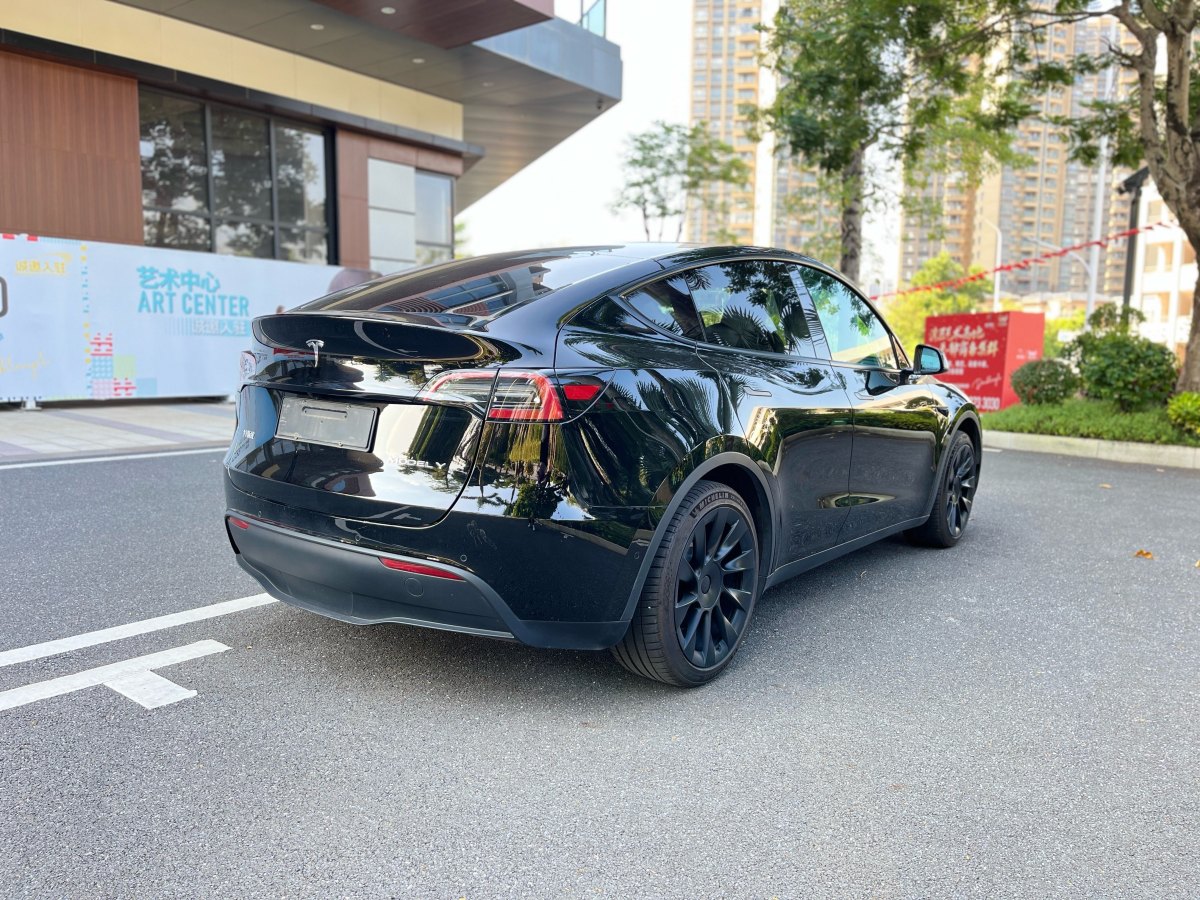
1019,716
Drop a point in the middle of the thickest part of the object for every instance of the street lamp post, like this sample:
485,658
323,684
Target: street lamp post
1074,254
1100,195
996,274
1132,185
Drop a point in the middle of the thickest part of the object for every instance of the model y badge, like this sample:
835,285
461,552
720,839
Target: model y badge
315,346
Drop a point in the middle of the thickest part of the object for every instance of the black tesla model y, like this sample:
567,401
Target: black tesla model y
591,447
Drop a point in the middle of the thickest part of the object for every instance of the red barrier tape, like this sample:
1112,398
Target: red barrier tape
1027,261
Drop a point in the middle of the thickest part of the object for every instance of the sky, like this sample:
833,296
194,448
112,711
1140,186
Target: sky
566,196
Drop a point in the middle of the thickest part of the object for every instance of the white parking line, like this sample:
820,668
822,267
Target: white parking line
95,459
992,450
149,689
117,632
131,677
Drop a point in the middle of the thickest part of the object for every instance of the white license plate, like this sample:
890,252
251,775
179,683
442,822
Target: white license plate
347,425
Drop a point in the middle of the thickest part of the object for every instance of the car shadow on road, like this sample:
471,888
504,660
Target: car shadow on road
384,658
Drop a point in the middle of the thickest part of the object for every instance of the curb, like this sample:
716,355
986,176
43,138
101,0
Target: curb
1093,448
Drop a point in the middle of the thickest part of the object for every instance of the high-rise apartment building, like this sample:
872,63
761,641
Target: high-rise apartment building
725,77
1021,211
782,204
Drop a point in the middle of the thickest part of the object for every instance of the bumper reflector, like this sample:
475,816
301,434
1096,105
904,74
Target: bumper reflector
238,522
417,569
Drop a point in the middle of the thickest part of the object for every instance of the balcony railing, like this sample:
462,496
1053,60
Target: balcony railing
593,18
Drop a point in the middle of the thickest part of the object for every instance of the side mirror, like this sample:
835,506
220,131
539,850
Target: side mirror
928,360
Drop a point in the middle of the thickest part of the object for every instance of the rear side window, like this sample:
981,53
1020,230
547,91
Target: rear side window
668,304
611,317
751,305
853,330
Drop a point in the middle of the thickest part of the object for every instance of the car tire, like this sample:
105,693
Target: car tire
955,497
700,593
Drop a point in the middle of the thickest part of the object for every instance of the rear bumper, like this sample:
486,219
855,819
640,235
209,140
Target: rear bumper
351,583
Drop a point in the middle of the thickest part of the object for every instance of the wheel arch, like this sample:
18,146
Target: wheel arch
740,473
969,425
965,421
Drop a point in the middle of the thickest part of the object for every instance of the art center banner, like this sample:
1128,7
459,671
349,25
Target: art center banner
81,320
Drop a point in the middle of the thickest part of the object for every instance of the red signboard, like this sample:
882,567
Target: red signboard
984,349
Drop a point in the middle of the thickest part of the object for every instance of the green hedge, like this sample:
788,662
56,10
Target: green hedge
1091,419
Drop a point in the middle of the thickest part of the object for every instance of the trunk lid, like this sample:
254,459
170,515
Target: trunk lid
336,414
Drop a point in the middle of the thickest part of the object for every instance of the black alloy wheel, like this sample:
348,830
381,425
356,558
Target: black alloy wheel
699,596
955,497
960,488
715,587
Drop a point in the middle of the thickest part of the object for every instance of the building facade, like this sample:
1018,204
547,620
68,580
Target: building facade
1020,211
782,204
1164,276
725,78
174,168
313,131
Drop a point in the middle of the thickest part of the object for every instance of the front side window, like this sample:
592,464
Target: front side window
216,178
750,305
854,332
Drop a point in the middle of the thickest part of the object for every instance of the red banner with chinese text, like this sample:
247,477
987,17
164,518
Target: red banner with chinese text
984,349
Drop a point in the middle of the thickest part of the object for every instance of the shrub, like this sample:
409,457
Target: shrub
1184,410
1128,370
1044,381
1078,417
1111,317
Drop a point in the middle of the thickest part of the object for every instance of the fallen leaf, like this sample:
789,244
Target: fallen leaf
1198,564
1144,554
1106,485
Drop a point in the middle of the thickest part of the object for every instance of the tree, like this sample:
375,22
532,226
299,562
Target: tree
907,313
669,165
1158,122
918,81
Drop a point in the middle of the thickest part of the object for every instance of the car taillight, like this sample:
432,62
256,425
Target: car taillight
516,396
525,397
582,392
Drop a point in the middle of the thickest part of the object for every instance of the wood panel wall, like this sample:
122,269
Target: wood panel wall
69,164
351,152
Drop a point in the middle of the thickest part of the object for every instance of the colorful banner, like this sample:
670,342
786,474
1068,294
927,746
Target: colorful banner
983,350
81,320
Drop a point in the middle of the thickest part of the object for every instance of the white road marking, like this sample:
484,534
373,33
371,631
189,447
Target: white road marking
992,450
124,677
96,459
117,632
149,689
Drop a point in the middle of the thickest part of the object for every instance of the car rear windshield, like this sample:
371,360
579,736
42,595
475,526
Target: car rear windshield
482,287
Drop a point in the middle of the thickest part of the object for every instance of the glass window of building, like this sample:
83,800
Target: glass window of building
225,180
435,217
